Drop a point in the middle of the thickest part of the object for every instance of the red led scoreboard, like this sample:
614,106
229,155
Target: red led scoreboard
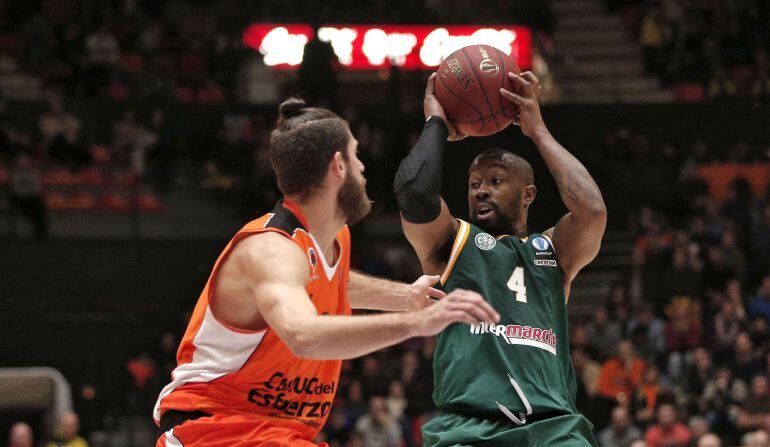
371,47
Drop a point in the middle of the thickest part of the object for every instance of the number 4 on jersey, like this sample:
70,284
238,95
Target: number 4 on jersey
516,283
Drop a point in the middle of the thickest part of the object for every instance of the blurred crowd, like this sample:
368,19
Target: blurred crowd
719,47
21,434
188,50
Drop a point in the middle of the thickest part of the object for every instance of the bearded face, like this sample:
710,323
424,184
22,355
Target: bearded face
352,201
494,199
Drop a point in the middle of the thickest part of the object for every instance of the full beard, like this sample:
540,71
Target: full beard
352,201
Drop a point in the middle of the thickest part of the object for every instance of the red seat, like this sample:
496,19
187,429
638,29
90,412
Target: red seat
100,154
689,92
114,203
124,178
57,202
131,62
93,176
83,201
61,177
149,203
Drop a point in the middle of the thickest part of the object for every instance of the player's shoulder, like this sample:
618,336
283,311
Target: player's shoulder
269,253
282,219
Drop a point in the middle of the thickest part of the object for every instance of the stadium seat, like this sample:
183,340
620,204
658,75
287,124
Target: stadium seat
689,92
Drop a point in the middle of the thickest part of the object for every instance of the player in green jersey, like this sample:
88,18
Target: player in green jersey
510,383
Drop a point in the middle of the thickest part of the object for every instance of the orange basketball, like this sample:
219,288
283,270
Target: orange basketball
468,87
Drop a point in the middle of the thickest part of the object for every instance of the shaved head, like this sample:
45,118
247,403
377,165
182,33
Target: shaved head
518,166
500,190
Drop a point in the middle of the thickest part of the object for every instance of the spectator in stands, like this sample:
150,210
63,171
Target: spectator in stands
67,435
683,331
20,435
621,432
131,141
651,38
699,372
680,278
377,426
745,363
709,440
396,401
720,396
162,151
760,305
621,374
720,86
355,406
648,396
759,438
587,371
647,333
143,383
699,428
603,333
102,53
355,440
26,189
727,325
755,412
759,333
316,74
61,135
759,87
668,432
618,305
761,244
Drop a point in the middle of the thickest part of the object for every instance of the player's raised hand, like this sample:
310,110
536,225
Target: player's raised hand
432,107
421,293
460,306
526,98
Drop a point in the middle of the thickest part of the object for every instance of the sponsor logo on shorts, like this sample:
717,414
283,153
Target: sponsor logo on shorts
545,262
485,241
516,334
299,398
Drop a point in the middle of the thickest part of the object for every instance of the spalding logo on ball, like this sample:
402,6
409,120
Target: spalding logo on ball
468,87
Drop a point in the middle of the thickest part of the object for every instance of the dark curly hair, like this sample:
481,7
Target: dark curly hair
302,145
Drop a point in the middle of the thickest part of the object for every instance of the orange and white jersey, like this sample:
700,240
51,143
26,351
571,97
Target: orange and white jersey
223,370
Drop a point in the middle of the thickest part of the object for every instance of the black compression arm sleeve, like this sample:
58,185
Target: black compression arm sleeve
418,180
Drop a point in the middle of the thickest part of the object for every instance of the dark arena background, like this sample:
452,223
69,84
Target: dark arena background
133,144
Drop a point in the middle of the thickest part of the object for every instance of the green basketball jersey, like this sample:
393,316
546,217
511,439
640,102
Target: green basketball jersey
520,366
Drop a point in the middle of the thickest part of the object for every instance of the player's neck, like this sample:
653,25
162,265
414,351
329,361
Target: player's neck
520,227
324,221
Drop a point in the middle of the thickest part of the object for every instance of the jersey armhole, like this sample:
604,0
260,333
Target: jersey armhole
460,238
211,297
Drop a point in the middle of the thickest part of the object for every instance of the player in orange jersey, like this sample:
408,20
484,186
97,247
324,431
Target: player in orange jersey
260,361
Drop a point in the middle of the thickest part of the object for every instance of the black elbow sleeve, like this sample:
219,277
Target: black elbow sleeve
418,180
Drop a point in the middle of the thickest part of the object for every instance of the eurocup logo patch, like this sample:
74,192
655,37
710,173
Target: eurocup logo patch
540,243
312,257
485,241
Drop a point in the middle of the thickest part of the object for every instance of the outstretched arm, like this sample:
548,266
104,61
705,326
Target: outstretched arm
277,271
577,236
369,292
425,217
